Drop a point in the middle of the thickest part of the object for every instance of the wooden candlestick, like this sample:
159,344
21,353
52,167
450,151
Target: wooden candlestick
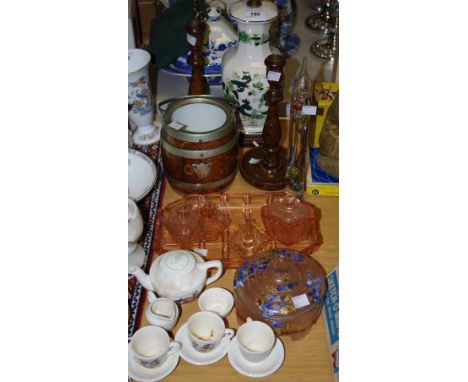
194,31
265,167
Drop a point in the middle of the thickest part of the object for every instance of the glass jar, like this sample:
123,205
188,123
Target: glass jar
290,220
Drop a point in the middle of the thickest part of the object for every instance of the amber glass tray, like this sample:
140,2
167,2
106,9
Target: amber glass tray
232,245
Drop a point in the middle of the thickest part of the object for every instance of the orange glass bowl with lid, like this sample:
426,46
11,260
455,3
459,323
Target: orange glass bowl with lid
282,288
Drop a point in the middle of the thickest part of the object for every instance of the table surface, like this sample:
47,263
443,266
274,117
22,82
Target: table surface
305,359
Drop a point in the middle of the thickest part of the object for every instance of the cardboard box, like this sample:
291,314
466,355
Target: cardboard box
324,94
331,320
318,181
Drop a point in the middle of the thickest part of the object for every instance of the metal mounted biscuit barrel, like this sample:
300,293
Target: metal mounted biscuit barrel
199,143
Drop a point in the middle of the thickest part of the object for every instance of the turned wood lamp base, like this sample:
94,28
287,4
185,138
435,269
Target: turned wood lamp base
247,140
254,171
264,167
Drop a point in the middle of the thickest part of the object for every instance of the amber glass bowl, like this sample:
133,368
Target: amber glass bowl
283,288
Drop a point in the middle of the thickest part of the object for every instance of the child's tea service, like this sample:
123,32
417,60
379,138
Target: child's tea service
161,311
205,331
256,340
180,275
151,346
217,300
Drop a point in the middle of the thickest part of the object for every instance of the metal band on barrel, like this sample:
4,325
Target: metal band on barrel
199,154
202,186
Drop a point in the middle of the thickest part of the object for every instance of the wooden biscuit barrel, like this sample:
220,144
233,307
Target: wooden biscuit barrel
199,143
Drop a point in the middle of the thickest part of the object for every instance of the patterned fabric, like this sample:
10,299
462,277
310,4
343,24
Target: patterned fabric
148,207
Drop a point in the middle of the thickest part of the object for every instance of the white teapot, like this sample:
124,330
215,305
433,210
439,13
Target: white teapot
179,275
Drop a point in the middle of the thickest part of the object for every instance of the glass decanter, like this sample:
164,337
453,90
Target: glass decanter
301,111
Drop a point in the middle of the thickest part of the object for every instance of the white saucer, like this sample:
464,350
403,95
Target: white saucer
194,357
144,374
261,369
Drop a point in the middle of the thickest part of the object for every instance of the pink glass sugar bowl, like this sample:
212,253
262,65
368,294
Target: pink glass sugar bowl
290,220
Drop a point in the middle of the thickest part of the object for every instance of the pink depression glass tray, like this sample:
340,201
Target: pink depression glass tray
244,234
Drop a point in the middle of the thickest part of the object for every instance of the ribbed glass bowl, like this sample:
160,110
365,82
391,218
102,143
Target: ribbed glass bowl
282,288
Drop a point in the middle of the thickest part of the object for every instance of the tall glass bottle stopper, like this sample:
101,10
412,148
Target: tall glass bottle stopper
300,117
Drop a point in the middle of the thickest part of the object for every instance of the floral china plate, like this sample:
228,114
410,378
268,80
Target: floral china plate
172,69
213,79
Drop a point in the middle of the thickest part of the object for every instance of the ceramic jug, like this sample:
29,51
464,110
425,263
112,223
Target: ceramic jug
161,311
219,36
243,67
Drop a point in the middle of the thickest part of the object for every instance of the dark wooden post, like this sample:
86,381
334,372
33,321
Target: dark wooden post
195,38
265,167
272,129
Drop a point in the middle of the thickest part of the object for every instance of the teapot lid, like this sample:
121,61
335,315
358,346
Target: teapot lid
254,11
178,262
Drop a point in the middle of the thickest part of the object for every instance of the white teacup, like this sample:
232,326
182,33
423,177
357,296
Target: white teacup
217,300
151,345
256,340
205,331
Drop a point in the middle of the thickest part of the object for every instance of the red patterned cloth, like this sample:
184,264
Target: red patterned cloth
149,208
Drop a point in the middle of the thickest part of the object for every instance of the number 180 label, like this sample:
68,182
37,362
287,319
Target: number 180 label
253,13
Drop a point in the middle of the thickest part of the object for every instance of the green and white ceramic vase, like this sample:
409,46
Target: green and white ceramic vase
243,67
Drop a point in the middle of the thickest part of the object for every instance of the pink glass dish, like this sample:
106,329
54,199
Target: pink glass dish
290,220
283,288
182,221
193,220
238,233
